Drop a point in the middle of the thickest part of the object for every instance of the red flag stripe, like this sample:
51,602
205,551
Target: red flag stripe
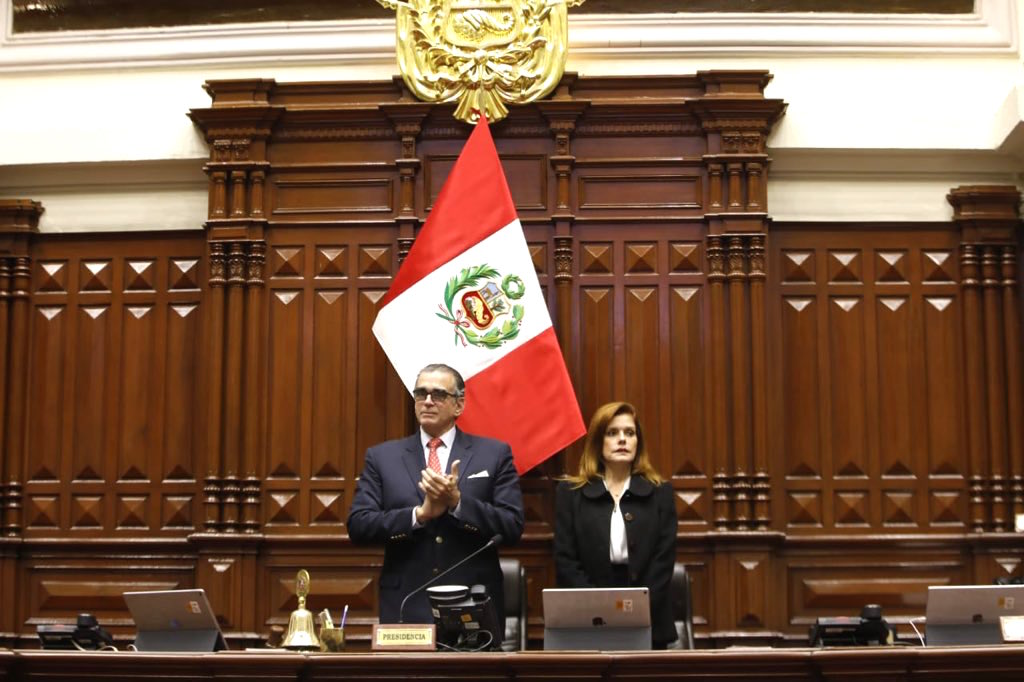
474,203
526,400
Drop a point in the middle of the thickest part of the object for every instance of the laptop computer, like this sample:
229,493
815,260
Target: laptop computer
602,618
174,620
969,614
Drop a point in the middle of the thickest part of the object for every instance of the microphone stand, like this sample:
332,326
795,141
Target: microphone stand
490,543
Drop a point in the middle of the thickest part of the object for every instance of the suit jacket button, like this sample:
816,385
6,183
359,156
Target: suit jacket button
439,539
628,516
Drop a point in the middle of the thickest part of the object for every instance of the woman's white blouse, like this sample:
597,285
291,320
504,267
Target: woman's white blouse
618,551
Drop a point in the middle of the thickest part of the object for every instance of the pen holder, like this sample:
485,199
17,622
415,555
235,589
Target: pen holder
332,639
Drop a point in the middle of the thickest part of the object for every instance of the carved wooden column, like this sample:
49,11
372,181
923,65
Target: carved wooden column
253,353
562,113
761,483
562,116
739,346
19,220
237,128
1014,380
407,119
717,441
737,119
989,222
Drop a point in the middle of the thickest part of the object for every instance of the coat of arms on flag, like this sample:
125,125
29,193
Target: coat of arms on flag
468,305
468,295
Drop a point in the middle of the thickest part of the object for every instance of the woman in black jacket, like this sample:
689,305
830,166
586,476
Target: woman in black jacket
615,523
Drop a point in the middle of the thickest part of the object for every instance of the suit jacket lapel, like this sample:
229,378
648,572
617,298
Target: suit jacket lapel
413,459
462,450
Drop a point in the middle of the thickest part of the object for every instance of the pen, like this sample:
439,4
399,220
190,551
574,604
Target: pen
344,615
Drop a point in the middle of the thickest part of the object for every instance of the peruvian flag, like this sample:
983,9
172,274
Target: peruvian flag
467,296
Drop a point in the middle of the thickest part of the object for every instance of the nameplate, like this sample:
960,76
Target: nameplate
403,637
1012,627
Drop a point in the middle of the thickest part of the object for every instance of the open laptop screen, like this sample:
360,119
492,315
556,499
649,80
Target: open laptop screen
174,620
614,607
969,614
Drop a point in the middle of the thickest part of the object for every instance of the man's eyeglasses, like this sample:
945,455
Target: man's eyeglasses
436,394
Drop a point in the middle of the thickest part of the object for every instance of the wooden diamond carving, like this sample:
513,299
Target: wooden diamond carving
898,508
41,511
937,266
850,469
131,511
891,266
899,469
596,259
327,508
851,508
52,276
688,506
641,258
286,261
87,473
283,508
797,266
684,257
140,275
95,275
86,511
176,511
844,266
374,261
804,509
330,261
945,508
183,274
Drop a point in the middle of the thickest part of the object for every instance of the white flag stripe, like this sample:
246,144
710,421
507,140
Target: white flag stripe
413,314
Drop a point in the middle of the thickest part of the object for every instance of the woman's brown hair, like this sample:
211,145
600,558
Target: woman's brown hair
592,461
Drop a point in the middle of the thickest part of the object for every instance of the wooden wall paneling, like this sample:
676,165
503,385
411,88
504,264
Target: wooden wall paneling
689,464
824,580
883,390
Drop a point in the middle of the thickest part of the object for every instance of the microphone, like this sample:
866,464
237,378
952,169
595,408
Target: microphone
490,543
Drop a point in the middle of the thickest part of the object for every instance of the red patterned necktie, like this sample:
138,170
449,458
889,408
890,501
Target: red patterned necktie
433,461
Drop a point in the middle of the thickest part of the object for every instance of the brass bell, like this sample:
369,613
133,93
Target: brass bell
301,635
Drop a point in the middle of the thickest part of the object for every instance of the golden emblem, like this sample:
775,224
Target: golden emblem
481,53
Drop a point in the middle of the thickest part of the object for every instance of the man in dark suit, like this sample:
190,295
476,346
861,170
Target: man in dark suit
435,497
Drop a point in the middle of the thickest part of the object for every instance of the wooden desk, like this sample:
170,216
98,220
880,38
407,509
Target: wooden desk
876,664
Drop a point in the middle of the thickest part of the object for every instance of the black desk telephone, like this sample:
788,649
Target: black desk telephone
869,628
84,634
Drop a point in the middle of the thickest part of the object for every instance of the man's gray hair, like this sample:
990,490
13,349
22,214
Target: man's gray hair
460,383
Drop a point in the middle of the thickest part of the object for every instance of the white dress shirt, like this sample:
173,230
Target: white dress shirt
618,550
